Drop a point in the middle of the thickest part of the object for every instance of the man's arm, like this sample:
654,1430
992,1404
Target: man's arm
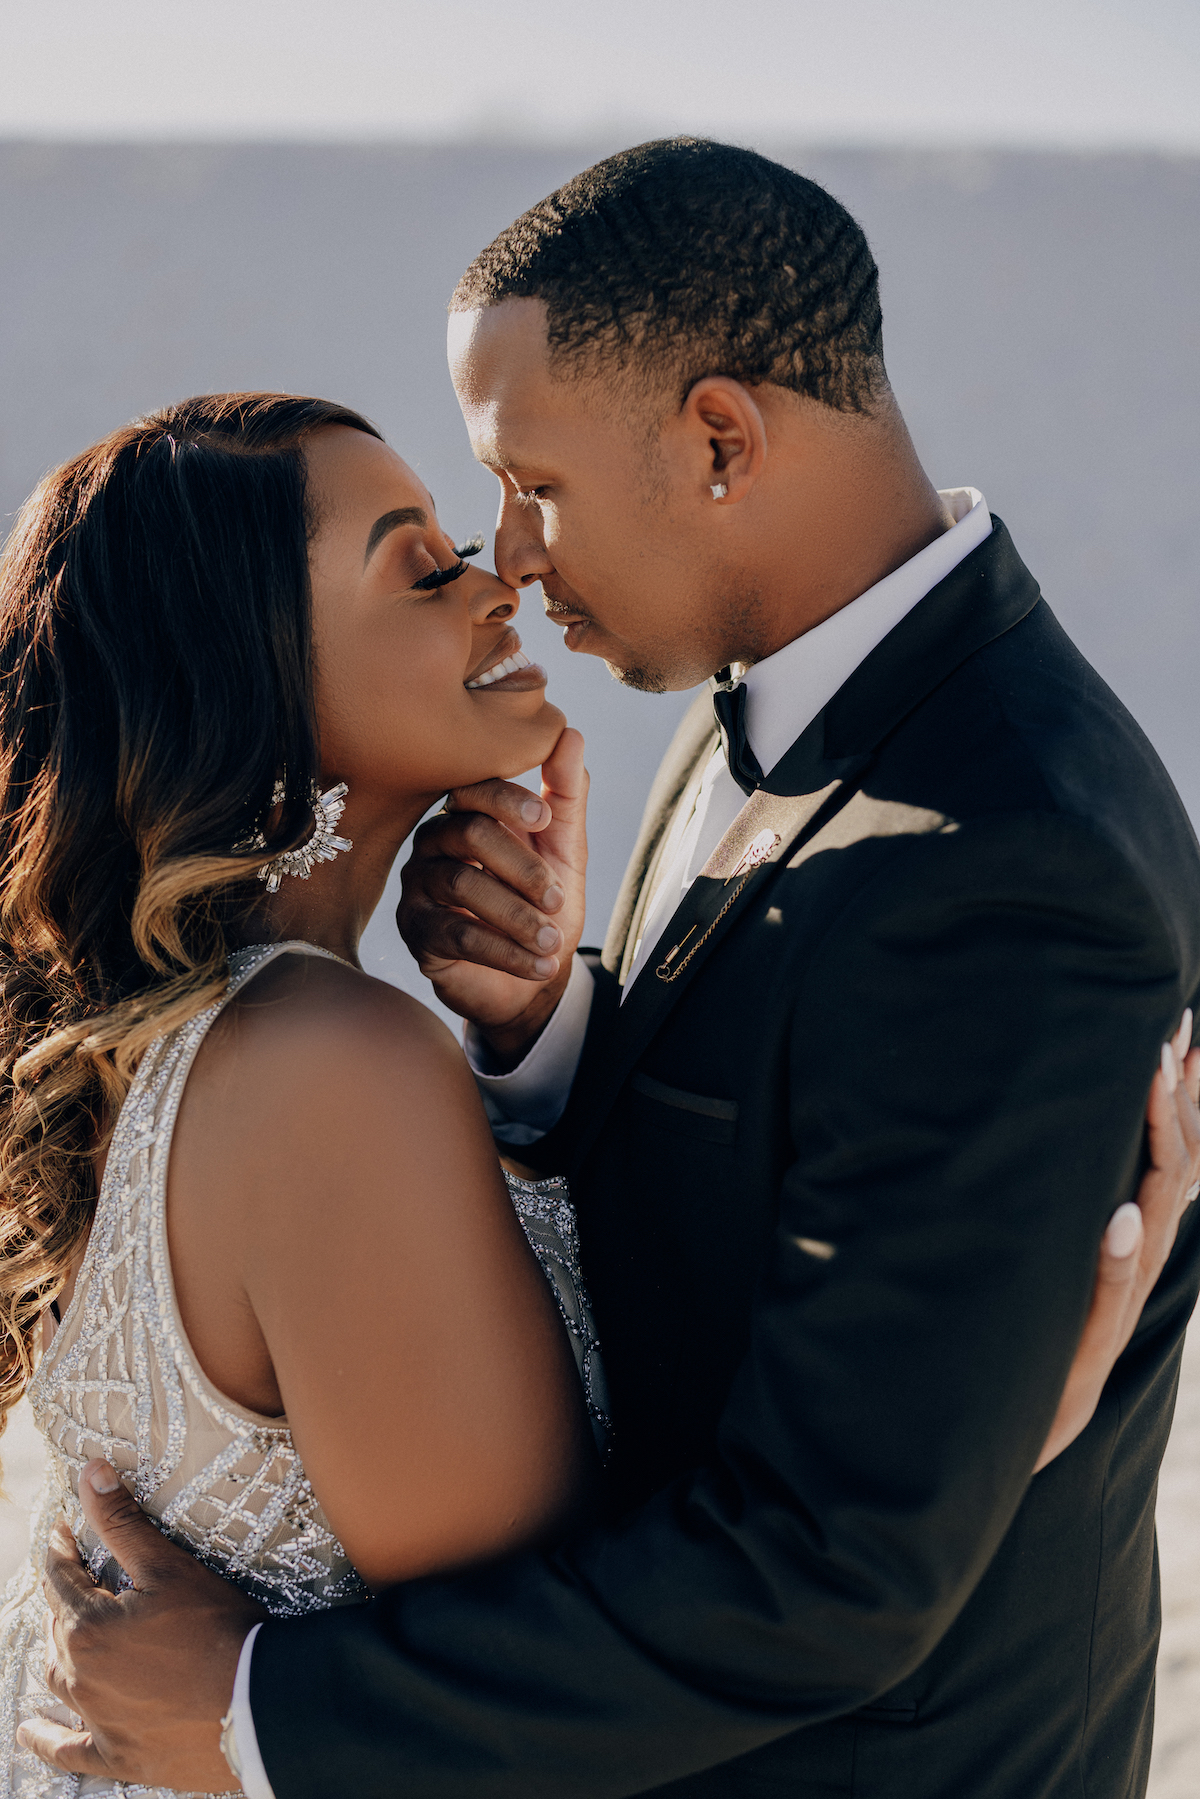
891,1409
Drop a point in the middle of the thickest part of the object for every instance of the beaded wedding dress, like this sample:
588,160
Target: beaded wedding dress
120,1380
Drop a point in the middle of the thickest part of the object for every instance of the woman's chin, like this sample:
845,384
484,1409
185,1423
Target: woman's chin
544,734
553,723
527,745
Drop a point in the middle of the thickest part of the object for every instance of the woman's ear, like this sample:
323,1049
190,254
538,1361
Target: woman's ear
726,437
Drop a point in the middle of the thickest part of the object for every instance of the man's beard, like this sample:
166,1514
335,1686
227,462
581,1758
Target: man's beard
642,680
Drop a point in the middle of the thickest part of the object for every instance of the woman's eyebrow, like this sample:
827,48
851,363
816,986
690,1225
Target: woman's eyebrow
391,521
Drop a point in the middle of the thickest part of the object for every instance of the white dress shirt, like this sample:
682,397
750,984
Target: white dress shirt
784,693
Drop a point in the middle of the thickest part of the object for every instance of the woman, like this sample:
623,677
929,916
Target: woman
251,1207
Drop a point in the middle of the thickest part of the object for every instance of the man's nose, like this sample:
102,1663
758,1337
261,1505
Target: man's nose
520,552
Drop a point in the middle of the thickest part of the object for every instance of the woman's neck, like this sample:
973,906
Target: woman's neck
332,907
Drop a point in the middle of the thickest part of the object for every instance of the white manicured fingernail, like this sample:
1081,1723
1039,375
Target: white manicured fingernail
1183,1036
1170,1072
531,811
1124,1231
102,1479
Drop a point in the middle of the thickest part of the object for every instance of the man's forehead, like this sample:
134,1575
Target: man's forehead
500,364
496,350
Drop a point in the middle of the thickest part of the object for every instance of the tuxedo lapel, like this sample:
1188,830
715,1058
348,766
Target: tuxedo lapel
986,595
667,838
687,754
771,828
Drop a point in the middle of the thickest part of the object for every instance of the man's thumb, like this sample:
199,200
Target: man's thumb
565,779
122,1526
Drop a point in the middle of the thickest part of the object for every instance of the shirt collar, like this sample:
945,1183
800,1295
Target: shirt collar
784,692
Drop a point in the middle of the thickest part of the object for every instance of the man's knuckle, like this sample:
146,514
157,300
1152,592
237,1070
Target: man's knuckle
460,932
478,832
430,830
460,881
516,917
534,874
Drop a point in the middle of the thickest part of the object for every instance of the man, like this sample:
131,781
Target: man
855,1085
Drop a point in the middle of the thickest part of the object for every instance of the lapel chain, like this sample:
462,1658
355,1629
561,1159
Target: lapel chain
758,852
664,971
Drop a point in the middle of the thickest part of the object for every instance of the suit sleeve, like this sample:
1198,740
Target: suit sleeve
970,1059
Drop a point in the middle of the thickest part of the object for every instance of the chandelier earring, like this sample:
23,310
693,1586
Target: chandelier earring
323,846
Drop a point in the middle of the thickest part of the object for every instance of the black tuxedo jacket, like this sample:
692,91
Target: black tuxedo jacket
841,1181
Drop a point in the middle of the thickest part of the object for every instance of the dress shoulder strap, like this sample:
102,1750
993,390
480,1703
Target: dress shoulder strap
244,964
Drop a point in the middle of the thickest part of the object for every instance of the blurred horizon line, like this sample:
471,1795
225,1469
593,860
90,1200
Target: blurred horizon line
599,140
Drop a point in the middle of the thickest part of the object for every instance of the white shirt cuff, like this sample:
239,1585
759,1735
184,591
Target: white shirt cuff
525,1103
255,1784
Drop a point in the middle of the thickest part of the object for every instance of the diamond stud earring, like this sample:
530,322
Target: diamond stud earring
719,490
323,846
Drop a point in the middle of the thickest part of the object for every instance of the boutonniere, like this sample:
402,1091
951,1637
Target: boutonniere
757,850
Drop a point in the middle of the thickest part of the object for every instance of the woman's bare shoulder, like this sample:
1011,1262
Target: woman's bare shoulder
317,1072
323,1112
316,1019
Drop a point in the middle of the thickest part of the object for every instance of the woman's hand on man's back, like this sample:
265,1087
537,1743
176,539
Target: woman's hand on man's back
1139,1238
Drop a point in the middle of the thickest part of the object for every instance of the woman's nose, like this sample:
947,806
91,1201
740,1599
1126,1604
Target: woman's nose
489,598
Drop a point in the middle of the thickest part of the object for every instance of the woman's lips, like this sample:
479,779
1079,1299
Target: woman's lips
521,680
514,673
507,645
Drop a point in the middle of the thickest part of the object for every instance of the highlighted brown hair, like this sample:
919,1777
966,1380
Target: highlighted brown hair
155,683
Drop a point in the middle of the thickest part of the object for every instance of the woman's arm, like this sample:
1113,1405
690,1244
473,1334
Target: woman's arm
368,1236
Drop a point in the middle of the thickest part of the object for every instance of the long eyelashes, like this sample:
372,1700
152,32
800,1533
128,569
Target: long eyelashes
442,577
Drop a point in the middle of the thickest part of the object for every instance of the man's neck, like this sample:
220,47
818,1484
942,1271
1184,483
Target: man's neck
865,506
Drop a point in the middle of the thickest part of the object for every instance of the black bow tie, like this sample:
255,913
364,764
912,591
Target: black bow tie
729,704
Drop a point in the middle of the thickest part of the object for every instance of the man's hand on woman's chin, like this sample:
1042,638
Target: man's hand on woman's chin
150,1671
493,899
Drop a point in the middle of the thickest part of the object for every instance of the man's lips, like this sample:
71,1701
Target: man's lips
560,613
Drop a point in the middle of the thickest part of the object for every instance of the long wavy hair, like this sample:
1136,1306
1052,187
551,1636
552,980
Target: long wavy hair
155,685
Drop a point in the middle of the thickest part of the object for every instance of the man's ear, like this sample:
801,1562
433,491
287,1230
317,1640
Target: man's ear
725,436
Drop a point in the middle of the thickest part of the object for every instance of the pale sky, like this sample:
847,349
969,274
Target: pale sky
1081,73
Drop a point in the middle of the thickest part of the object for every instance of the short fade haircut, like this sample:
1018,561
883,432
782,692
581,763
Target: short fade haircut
683,258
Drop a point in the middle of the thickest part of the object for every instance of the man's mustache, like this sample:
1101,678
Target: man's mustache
556,606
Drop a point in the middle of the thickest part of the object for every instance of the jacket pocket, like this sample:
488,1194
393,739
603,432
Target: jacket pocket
686,1114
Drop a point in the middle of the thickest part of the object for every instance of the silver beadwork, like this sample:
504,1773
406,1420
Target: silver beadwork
119,1380
322,846
548,1219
